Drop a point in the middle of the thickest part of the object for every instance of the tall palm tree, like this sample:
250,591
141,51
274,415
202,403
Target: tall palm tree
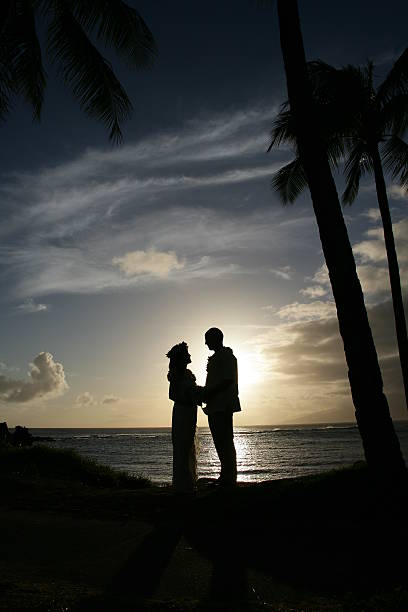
69,24
365,125
381,445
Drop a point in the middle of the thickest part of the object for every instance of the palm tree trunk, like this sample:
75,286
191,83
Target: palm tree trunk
381,445
393,268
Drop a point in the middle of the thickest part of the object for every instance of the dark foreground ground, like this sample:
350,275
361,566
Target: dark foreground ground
77,537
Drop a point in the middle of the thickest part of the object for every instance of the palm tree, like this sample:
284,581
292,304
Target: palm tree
381,445
366,125
68,25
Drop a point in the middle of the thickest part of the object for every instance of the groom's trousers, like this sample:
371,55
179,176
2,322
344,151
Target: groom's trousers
221,428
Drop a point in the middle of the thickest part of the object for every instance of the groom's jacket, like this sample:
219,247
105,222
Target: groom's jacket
222,366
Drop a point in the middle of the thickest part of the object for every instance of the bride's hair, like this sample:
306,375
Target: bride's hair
179,356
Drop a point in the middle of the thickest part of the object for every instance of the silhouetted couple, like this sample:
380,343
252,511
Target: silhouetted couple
220,396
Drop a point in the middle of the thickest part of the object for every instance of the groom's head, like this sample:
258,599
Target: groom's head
214,338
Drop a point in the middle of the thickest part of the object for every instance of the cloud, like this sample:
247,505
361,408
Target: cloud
156,263
88,399
283,272
110,399
374,280
397,192
200,187
321,284
29,307
372,263
373,214
210,244
4,367
372,268
206,138
307,365
46,379
304,349
85,399
313,291
373,249
307,311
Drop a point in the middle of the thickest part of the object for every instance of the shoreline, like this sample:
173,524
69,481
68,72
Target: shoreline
168,427
263,454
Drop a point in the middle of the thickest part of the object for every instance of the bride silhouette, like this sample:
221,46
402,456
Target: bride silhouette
186,396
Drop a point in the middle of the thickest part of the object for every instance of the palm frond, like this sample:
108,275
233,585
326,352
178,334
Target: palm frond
322,78
397,79
395,159
6,92
290,181
335,149
356,165
394,114
333,85
20,51
283,129
7,86
90,76
368,72
342,99
119,26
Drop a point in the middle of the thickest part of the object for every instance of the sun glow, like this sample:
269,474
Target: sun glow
250,369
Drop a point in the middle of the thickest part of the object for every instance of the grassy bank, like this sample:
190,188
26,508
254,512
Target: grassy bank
77,537
43,461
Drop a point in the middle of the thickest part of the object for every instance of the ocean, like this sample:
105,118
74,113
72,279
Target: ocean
263,452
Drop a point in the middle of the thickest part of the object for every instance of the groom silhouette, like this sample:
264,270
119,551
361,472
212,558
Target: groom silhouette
222,400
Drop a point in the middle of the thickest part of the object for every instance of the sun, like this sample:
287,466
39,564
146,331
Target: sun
249,369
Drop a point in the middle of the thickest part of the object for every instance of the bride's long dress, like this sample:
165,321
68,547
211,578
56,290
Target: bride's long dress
183,431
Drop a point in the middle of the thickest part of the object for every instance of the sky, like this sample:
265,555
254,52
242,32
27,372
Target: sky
111,255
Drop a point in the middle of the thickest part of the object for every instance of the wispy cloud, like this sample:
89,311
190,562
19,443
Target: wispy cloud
30,307
284,272
92,224
311,311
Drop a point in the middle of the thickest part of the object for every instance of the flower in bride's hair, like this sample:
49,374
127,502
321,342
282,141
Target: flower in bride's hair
177,350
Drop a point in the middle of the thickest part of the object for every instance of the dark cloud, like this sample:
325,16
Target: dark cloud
308,355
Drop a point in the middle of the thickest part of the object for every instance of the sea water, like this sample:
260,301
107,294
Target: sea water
263,452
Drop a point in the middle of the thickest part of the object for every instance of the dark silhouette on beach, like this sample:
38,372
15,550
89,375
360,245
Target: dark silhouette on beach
20,437
362,125
380,442
222,400
184,392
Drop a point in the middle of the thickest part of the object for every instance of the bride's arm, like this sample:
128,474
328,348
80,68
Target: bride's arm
198,395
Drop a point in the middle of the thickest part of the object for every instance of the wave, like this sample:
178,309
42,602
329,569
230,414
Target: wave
291,428
256,471
138,435
104,436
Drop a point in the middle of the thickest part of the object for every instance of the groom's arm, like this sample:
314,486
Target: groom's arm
217,388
